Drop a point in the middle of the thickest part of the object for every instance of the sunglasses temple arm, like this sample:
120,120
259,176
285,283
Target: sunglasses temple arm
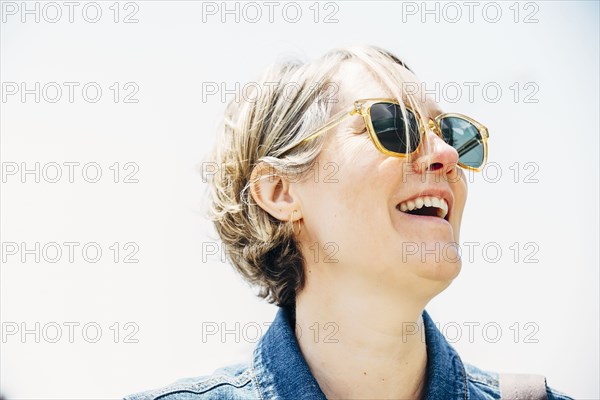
336,120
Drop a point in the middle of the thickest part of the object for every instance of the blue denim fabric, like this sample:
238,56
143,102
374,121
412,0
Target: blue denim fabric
277,370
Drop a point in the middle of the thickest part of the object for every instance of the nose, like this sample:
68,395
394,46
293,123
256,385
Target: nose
435,154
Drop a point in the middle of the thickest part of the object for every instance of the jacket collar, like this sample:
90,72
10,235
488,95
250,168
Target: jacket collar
279,366
282,372
446,376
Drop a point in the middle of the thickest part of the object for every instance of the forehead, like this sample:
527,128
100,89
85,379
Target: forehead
354,81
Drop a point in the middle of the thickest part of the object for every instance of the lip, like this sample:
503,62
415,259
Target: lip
441,193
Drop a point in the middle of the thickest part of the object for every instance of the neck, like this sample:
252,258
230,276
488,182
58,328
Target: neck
362,348
361,345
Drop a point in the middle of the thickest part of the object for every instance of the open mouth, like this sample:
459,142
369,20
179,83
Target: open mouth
429,206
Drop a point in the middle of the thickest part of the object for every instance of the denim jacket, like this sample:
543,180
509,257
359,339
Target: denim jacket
277,370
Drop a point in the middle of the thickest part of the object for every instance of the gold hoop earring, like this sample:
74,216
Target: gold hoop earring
299,223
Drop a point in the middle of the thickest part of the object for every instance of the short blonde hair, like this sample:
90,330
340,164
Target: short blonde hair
261,128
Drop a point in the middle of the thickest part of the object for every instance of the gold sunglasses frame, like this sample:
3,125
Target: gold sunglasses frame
363,107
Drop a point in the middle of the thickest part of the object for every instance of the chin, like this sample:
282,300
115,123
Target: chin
443,271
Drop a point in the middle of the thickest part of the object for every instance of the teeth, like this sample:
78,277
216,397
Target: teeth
427,201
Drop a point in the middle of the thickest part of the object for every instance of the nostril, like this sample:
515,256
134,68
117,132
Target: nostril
435,166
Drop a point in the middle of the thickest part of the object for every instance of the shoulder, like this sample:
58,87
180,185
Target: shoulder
231,382
484,384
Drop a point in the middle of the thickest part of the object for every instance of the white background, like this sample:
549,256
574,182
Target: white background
172,292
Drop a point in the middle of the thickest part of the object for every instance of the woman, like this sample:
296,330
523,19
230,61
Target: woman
335,186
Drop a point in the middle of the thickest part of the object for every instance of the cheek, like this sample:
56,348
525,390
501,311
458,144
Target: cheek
342,197
460,189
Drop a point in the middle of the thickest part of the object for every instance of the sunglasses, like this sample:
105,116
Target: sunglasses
387,126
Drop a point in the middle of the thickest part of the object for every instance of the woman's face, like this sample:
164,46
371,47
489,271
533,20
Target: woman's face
350,208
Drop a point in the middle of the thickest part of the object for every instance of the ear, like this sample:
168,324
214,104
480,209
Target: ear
272,192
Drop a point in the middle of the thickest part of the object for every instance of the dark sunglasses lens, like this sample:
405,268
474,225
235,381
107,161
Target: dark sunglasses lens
465,138
390,129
